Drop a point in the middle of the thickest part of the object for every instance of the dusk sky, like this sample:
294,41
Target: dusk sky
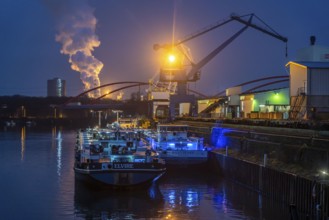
122,34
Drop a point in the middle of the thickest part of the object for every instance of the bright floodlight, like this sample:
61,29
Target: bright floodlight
171,58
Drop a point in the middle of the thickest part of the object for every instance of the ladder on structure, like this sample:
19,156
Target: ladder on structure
298,109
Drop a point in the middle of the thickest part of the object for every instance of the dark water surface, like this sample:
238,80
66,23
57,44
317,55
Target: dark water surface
37,182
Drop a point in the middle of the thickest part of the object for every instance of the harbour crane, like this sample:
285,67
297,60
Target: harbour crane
174,71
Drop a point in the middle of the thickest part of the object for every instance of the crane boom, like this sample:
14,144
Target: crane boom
194,72
178,74
192,36
273,33
195,68
248,23
202,32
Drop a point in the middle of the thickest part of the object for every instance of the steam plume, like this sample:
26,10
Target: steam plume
77,34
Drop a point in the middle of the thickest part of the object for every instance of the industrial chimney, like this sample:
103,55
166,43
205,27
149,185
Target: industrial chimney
312,40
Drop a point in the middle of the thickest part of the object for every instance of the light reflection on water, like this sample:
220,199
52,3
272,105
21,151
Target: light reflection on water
22,143
59,152
109,204
40,184
195,196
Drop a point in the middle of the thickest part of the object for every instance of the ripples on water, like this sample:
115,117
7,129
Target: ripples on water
37,182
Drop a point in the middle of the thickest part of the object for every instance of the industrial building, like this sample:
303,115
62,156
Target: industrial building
309,80
56,87
306,98
267,104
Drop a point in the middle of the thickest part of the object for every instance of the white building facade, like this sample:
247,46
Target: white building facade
309,83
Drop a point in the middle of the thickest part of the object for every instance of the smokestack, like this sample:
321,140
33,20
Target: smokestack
76,33
312,40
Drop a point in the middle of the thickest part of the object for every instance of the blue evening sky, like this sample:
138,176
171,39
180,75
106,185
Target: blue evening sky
127,30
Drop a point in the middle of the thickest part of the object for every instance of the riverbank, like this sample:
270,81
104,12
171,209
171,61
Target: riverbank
49,122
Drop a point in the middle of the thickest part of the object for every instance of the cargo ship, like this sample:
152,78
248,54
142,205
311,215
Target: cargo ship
117,158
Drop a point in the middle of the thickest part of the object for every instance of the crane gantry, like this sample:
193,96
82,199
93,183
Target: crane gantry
174,71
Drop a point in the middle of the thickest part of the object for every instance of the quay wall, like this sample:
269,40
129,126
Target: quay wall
287,165
304,198
304,152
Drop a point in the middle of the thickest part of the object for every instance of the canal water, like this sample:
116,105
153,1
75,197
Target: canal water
37,182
